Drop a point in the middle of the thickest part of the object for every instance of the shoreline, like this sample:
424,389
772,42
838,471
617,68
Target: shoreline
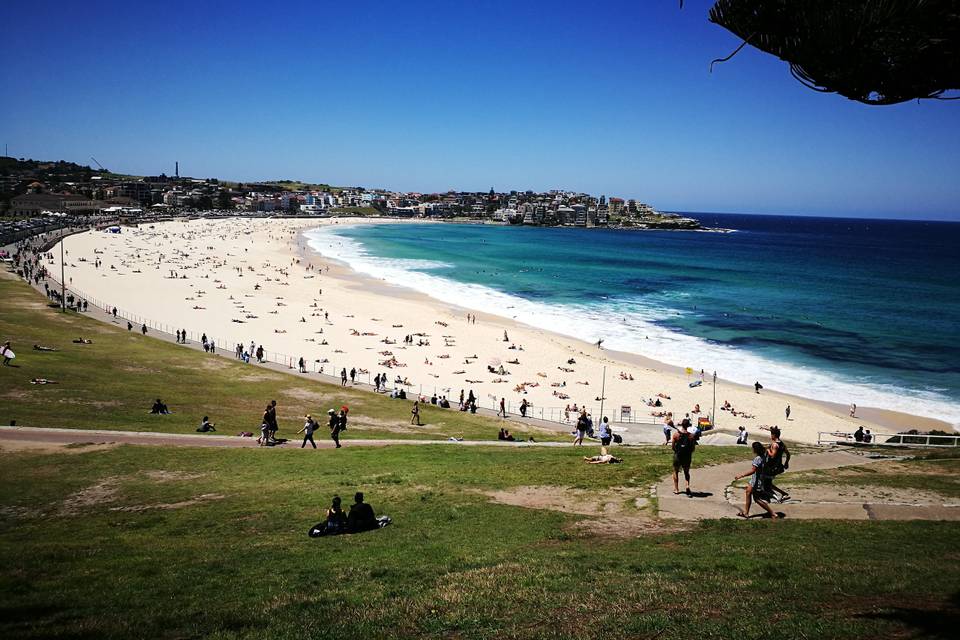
283,262
885,418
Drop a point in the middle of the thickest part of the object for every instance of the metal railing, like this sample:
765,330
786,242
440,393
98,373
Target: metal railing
890,439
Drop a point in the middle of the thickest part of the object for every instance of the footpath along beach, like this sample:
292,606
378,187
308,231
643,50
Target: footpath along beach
256,282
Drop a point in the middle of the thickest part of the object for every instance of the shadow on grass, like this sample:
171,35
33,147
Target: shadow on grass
938,622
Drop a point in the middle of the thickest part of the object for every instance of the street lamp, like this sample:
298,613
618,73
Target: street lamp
63,280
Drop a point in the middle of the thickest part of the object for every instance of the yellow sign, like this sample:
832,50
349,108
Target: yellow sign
689,370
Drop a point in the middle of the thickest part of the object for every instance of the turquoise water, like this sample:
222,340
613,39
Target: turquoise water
858,311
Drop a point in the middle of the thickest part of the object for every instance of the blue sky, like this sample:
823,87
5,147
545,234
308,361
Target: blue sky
610,98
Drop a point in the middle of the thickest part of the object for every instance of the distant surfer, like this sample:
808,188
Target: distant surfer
599,342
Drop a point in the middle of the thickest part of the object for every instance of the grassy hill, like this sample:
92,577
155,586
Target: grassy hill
112,383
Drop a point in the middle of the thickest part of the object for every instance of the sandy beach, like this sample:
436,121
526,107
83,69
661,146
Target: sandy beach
256,281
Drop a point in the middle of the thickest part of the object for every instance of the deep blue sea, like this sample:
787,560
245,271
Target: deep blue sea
844,310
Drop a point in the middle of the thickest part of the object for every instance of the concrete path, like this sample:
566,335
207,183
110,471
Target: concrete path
714,497
104,436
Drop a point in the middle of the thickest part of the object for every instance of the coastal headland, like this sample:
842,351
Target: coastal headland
257,281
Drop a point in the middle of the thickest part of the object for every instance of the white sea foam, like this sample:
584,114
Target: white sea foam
633,329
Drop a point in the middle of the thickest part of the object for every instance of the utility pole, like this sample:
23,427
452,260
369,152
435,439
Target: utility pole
63,285
603,386
713,416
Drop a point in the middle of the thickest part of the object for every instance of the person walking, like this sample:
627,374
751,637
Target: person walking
668,428
787,412
757,489
606,435
581,429
303,365
415,413
308,428
523,408
7,353
143,328
334,424
343,377
272,419
776,462
353,375
503,408
683,445
129,326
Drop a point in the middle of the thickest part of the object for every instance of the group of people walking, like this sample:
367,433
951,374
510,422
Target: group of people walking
337,422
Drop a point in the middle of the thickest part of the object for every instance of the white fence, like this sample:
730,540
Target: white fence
890,439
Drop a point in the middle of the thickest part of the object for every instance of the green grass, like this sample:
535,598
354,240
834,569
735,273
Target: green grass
453,564
112,383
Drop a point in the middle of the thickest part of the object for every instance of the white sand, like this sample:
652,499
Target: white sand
220,264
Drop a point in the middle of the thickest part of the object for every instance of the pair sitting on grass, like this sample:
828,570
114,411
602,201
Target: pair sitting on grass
159,408
360,518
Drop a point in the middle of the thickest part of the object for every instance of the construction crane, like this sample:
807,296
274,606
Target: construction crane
98,164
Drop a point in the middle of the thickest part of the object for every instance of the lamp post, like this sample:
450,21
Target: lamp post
603,386
63,281
713,416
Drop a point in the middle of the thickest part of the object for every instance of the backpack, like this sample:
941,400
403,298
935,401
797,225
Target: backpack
773,465
617,438
684,444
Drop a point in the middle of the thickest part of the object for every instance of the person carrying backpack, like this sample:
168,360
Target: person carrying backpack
683,444
777,461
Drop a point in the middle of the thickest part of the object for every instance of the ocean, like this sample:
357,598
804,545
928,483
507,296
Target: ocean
842,310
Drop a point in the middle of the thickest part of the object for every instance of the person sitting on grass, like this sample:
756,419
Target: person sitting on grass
757,490
159,408
361,517
205,425
604,458
334,524
336,518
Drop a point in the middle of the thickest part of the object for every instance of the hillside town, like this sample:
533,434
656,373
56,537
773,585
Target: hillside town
30,188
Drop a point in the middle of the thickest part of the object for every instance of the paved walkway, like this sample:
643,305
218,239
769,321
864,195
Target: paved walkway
105,436
714,497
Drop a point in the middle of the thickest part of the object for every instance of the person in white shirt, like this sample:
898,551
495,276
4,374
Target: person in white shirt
742,436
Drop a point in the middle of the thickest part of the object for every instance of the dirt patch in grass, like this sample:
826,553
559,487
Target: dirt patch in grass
161,475
579,501
259,377
630,526
205,497
214,364
394,427
304,394
135,369
102,492
847,493
617,512
52,447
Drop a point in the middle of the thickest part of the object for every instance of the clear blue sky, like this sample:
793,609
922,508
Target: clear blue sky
610,98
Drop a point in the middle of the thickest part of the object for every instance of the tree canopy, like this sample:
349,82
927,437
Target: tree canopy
873,51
